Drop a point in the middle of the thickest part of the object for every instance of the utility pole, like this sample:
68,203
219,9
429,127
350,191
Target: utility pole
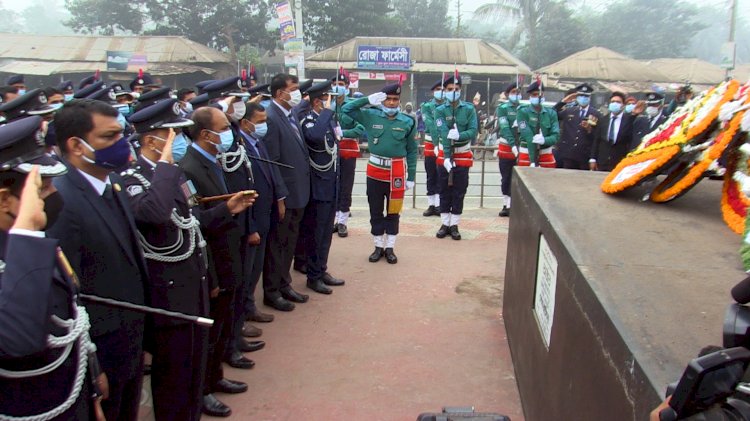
732,53
458,18
300,33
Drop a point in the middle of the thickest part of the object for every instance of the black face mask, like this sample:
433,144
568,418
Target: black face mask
53,206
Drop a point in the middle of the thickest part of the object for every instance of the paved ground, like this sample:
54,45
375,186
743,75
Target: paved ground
397,340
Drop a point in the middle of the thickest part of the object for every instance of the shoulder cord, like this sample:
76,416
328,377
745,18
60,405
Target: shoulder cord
77,328
232,161
332,151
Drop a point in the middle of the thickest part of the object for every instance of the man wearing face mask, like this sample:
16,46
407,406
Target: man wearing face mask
432,139
650,119
185,95
577,125
285,144
98,234
17,81
507,145
212,134
538,130
392,166
66,87
457,122
348,153
614,135
34,290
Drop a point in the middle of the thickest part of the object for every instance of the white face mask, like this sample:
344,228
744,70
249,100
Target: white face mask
652,111
239,110
295,98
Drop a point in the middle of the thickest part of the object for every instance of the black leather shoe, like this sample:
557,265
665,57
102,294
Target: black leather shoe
335,227
431,211
343,231
250,331
292,295
318,286
442,232
390,256
260,317
214,407
250,346
279,304
376,255
230,386
237,360
505,211
331,281
454,232
301,268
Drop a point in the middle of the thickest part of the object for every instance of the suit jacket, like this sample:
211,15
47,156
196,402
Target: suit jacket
643,126
239,180
575,143
286,146
31,290
104,252
319,134
225,265
606,154
267,183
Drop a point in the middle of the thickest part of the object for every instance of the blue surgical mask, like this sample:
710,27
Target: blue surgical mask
179,147
583,100
615,107
390,111
188,107
438,95
265,103
452,96
56,106
22,92
514,98
261,129
68,97
124,109
341,90
226,138
629,108
534,100
121,119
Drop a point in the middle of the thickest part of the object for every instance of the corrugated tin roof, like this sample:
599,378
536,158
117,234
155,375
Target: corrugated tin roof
598,63
82,48
45,68
430,54
688,69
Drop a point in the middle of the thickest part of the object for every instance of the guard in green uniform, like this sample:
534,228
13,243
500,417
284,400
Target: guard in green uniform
430,149
539,130
392,166
348,153
456,121
507,145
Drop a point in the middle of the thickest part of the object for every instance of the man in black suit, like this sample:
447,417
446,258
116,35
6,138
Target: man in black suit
97,232
614,135
284,144
650,119
577,124
211,134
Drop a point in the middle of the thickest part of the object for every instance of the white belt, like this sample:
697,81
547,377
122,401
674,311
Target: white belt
544,151
428,137
379,160
457,149
503,141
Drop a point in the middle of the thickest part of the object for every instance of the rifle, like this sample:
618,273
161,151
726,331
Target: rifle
453,142
536,147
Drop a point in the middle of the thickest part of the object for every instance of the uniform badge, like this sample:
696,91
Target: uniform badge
375,141
503,120
117,187
522,125
439,122
398,182
377,126
135,190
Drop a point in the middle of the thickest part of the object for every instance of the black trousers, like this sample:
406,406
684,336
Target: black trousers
378,193
257,268
433,181
179,360
574,164
347,168
124,388
219,337
452,198
316,237
506,174
246,288
282,239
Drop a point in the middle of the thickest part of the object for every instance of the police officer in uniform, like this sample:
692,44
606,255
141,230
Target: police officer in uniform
35,286
322,134
392,166
432,139
348,154
170,234
507,145
139,83
456,121
578,128
538,129
650,119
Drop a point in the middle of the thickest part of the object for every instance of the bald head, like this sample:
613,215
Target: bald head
208,122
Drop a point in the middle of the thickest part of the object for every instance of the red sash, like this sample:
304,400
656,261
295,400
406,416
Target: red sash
348,148
460,159
396,177
505,151
429,148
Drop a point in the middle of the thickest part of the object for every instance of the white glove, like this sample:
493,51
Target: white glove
436,150
515,150
448,165
533,165
377,98
339,132
409,185
538,139
453,133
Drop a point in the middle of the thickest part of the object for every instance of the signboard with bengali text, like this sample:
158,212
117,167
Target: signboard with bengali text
378,57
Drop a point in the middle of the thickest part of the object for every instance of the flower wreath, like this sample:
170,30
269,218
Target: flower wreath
633,170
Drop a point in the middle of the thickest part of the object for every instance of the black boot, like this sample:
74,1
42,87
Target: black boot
431,211
390,256
504,212
335,228
454,232
442,232
376,255
343,231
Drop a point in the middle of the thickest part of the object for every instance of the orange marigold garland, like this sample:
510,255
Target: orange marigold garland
633,170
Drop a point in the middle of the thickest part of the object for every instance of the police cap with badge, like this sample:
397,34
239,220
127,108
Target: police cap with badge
535,86
439,84
259,90
105,94
453,80
341,77
65,86
318,90
164,114
120,91
510,87
22,145
15,80
89,80
304,86
392,89
654,98
142,79
584,89
226,87
152,97
90,90
33,102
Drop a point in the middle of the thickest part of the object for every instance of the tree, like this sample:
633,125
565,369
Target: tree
329,22
647,28
10,22
528,13
105,17
559,35
45,17
422,18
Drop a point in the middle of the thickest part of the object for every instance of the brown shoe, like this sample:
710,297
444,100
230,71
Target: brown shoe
250,331
260,317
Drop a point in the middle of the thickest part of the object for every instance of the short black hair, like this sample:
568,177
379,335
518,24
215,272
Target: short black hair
618,93
13,181
75,119
5,90
203,118
51,90
279,82
183,92
252,109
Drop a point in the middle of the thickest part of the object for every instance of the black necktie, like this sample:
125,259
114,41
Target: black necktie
111,201
611,135
294,126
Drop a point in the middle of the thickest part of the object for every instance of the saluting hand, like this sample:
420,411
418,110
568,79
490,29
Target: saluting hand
166,153
570,98
31,214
